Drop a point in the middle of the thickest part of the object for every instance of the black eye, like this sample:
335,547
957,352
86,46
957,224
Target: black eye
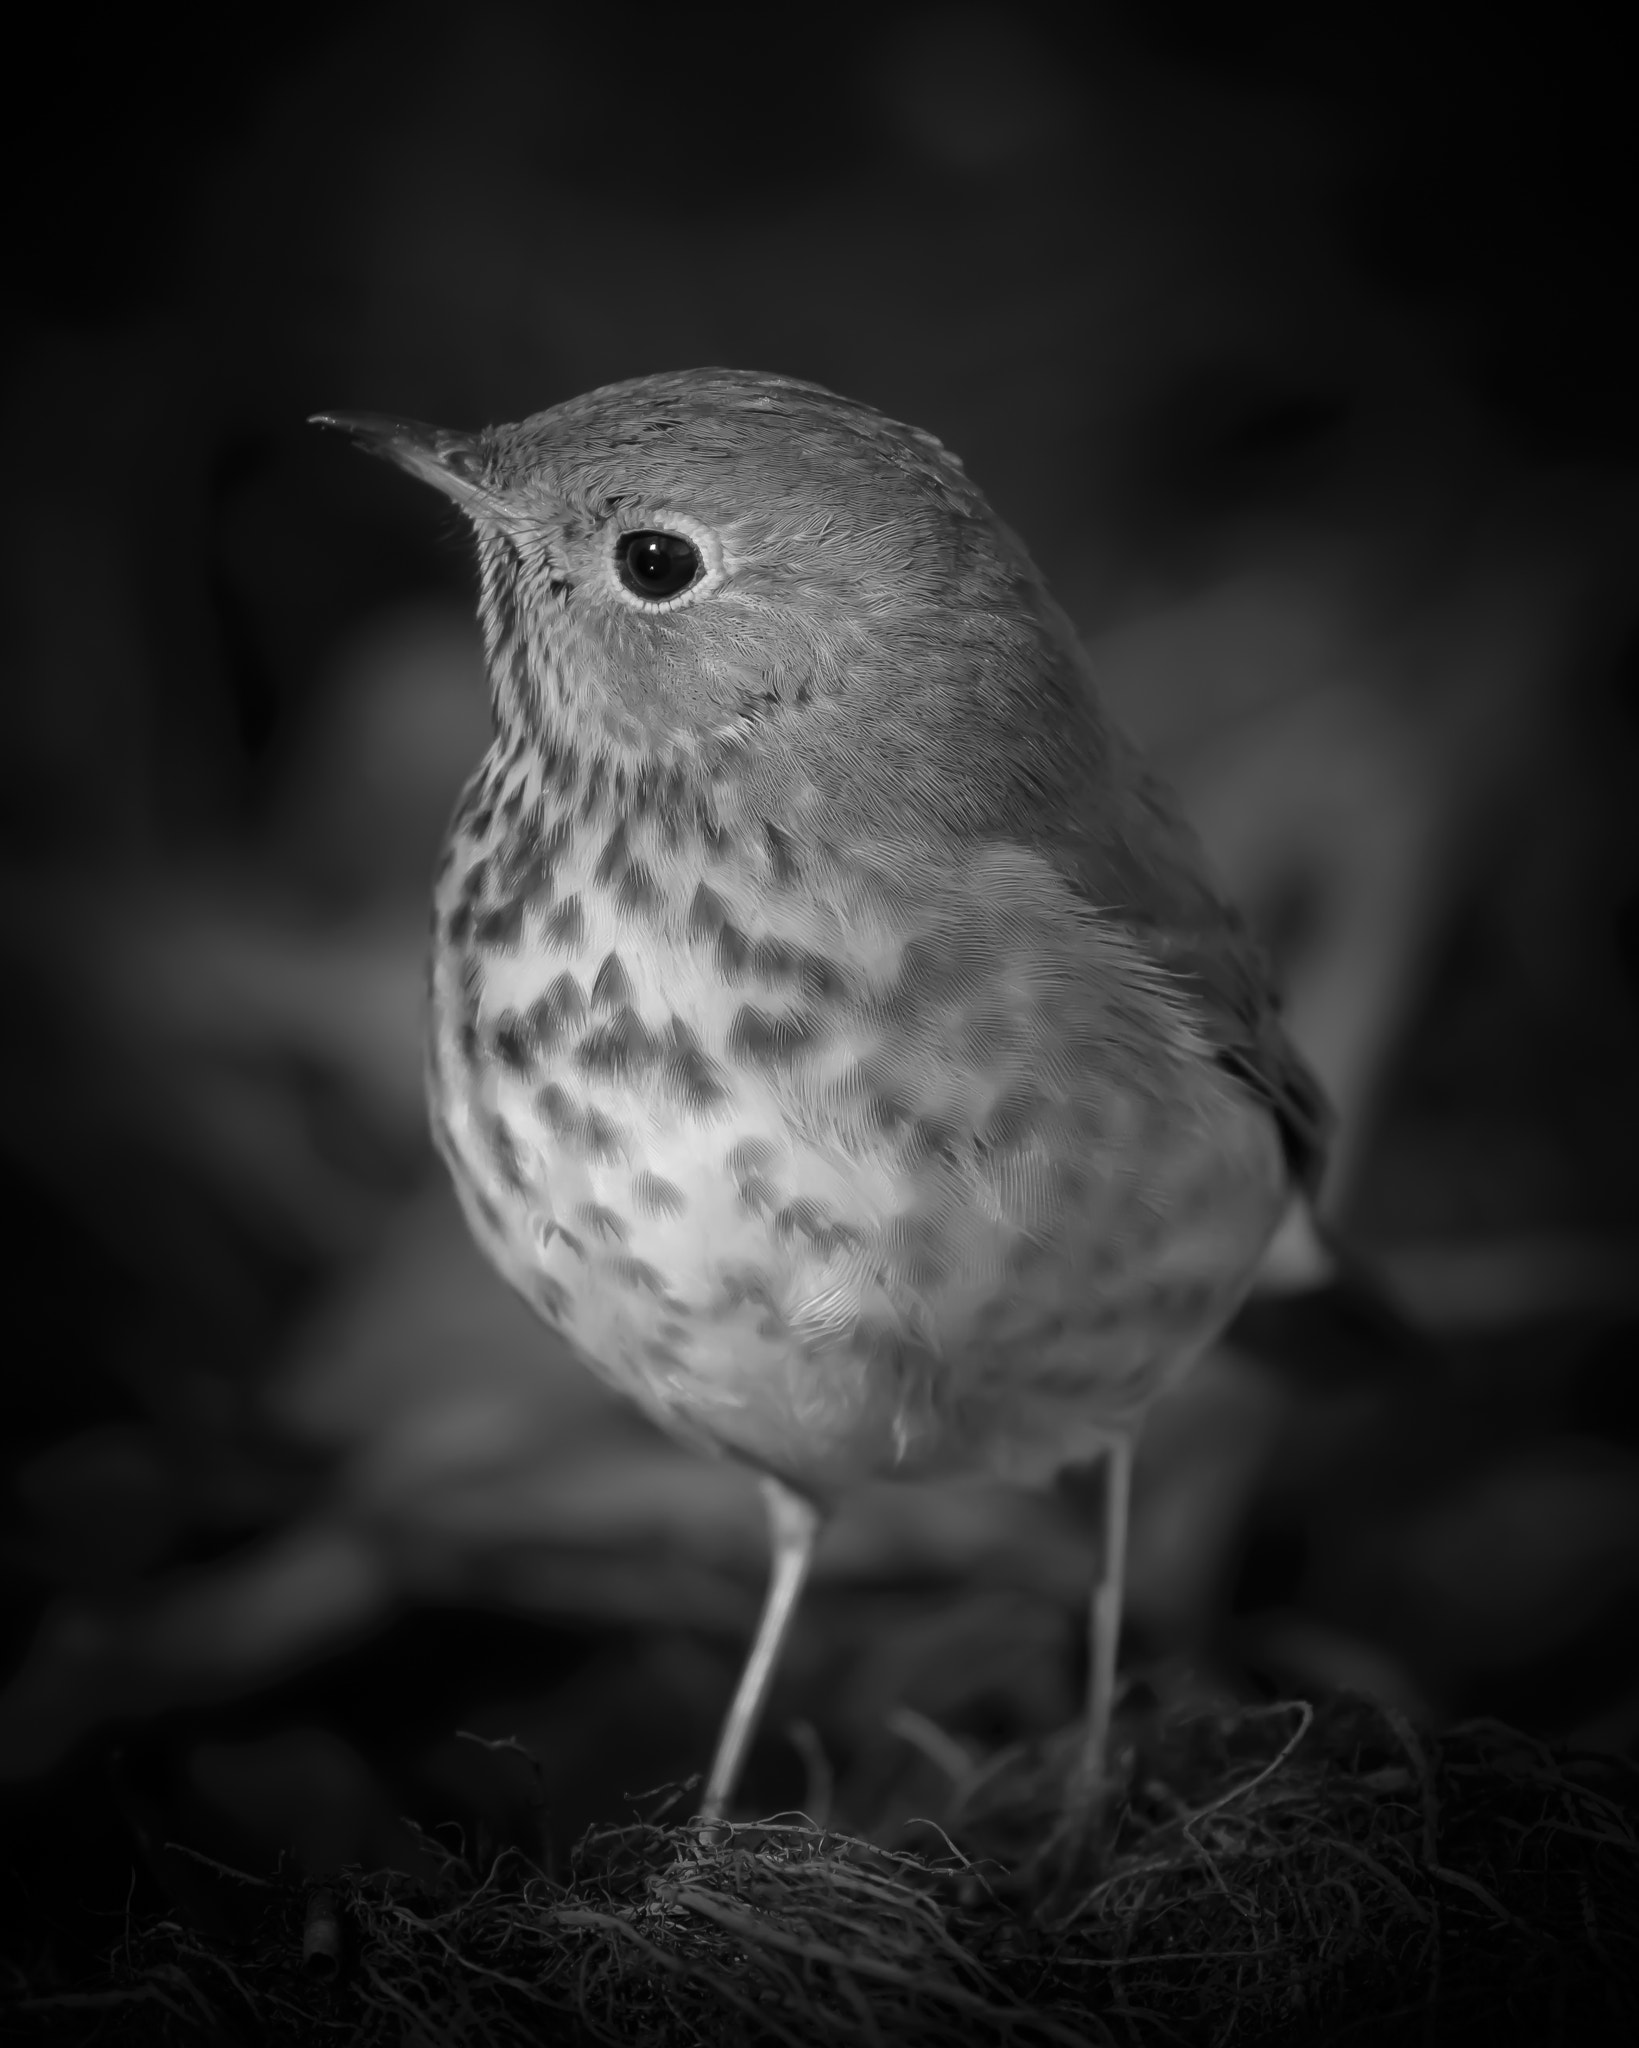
656,565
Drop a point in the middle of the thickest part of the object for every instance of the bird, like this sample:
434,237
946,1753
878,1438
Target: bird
835,1032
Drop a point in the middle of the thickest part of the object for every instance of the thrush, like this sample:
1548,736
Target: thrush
835,1034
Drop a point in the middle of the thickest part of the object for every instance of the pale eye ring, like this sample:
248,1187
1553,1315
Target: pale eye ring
655,565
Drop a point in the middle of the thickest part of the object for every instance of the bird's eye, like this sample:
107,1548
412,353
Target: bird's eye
657,565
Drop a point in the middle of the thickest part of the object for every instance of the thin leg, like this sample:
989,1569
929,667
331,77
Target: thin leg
793,1526
1105,1631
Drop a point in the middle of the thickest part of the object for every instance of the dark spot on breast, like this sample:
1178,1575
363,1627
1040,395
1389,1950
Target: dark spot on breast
487,1208
668,803
810,1219
585,1131
689,1073
467,1041
602,1222
653,1196
503,1150
773,960
637,888
662,1355
505,567
474,880
610,985
888,1110
522,683
823,980
715,835
643,789
820,979
708,913
750,1155
771,1040
458,925
527,866
804,1215
870,1089
514,1042
612,860
566,927
783,862
619,1046
560,764
472,795
603,1136
560,1010
756,1194
625,1271
500,929
521,871
732,953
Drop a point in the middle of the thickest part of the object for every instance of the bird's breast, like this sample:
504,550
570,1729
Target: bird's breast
842,1170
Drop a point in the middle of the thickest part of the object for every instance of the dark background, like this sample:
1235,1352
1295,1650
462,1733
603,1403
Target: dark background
1300,347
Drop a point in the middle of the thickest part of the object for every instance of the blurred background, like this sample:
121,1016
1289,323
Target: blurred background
1299,345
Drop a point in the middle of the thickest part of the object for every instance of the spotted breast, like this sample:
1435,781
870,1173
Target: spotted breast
838,1160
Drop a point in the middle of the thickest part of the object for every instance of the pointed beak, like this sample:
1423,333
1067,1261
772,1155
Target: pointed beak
452,463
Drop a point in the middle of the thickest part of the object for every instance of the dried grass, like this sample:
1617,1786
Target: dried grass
1274,1875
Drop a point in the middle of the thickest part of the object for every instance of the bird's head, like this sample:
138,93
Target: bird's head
717,563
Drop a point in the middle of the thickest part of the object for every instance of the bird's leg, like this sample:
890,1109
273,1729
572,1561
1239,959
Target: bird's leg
793,1527
1105,1628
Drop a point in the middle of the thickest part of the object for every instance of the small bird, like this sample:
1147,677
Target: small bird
834,1032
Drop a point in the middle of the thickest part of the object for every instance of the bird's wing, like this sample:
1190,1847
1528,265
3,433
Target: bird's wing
1141,865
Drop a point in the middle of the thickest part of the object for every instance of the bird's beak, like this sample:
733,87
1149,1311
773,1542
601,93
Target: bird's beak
452,463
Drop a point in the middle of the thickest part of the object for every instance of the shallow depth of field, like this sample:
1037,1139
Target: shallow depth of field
1303,365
